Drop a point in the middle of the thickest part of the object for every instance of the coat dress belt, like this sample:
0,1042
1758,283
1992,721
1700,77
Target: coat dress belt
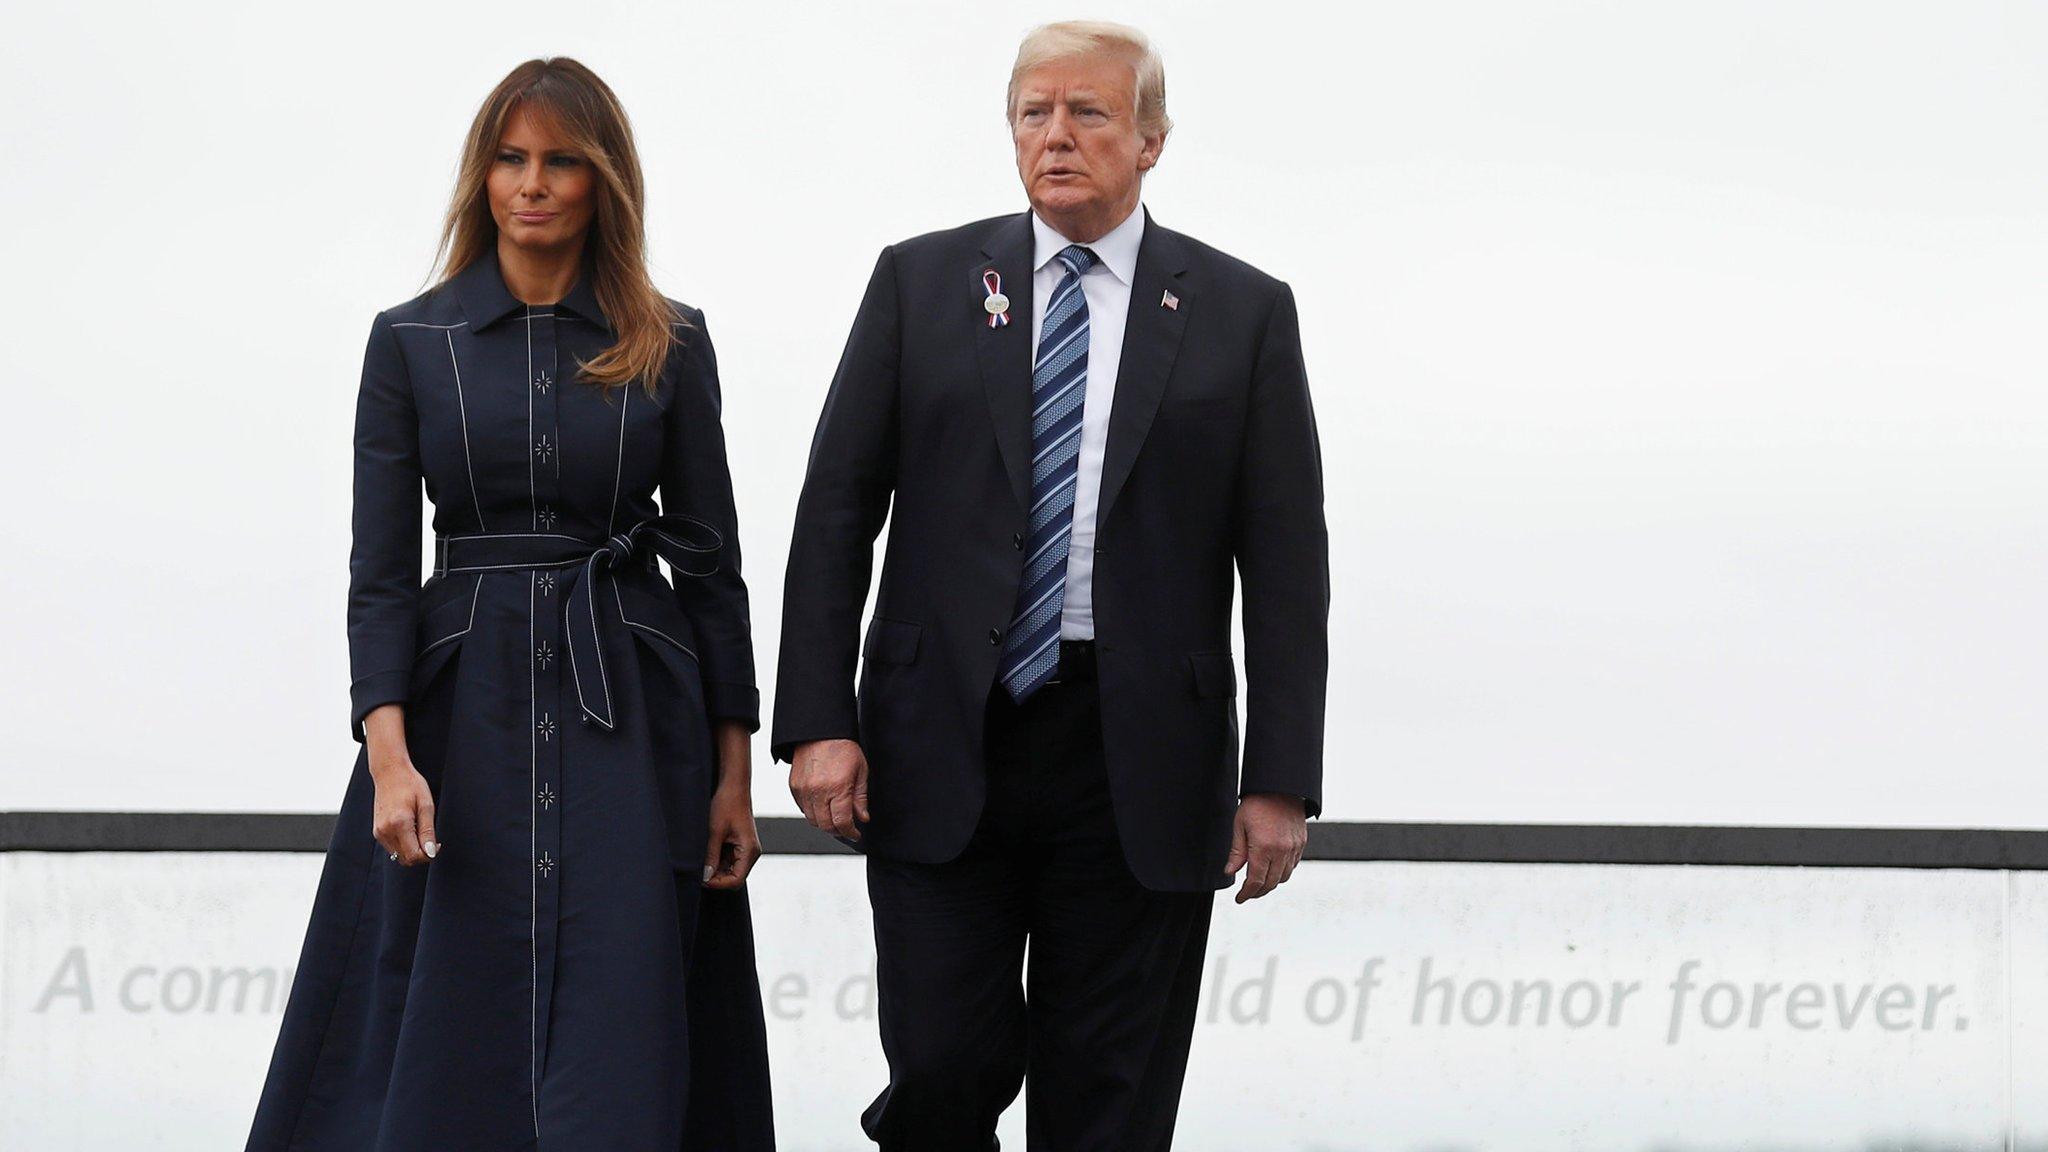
691,547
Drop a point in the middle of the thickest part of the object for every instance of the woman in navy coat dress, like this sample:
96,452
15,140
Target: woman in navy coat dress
530,932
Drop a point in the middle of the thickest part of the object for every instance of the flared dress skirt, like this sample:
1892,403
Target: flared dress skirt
556,978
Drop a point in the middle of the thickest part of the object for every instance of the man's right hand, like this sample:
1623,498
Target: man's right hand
829,779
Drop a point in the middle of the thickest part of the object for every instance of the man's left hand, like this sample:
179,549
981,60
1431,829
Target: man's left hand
1270,833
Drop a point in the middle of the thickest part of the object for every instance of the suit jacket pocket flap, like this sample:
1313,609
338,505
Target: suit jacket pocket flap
1215,674
892,641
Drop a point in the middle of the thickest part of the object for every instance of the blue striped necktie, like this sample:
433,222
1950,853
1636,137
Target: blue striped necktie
1059,382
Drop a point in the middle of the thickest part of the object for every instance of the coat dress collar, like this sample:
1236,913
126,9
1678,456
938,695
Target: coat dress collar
480,290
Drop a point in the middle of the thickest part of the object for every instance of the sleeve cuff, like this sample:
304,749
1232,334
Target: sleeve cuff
784,749
373,692
1311,806
727,700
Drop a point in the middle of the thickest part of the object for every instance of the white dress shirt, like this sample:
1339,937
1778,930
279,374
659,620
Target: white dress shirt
1107,288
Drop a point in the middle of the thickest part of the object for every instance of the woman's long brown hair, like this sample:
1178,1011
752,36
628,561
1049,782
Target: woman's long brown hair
584,111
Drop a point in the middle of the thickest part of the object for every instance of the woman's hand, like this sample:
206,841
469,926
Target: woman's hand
734,845
404,817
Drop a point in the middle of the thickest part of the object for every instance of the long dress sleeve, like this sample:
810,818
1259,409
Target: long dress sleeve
384,561
695,481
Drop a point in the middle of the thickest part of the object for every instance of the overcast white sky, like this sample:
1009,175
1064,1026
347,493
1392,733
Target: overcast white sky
1679,366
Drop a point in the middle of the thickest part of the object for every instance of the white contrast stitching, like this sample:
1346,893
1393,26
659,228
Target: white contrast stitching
691,652
597,643
619,468
647,627
474,594
532,495
506,567
532,884
512,535
577,676
462,406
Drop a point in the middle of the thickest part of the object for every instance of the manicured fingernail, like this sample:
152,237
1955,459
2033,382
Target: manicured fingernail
433,849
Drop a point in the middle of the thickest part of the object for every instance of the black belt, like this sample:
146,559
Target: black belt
1077,662
691,547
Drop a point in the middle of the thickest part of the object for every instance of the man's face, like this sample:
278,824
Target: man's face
1079,151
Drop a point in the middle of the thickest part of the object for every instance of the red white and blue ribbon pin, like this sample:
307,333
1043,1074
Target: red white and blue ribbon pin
997,305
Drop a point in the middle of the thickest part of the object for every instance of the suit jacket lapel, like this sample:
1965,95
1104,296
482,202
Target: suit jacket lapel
1152,333
1004,353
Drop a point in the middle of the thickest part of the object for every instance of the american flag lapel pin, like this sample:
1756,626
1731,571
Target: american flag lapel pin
1169,301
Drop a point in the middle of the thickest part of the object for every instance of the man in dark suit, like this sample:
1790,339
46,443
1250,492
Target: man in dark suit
1084,420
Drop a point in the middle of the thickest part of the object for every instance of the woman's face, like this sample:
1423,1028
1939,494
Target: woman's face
542,194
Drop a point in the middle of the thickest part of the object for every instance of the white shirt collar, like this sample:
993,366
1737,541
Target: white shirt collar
1118,250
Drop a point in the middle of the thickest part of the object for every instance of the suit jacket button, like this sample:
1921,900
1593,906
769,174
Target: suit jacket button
995,635
1017,540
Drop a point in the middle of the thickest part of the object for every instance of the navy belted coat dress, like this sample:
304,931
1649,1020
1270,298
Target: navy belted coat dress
557,978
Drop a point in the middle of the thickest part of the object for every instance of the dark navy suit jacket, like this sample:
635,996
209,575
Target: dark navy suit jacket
1212,461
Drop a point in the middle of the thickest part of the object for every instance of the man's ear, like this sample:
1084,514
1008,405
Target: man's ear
1148,156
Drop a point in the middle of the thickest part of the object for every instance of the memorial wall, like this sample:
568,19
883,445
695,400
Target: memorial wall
1367,1006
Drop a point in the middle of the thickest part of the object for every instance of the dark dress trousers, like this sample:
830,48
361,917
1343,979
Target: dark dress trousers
1095,818
557,979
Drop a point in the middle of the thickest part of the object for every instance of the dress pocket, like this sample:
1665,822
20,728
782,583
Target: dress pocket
657,617
447,613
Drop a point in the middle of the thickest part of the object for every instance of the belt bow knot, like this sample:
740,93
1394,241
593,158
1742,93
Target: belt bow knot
691,547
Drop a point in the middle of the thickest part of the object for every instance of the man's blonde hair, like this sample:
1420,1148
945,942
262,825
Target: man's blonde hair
1070,39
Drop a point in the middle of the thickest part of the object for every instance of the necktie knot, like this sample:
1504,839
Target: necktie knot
1077,259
